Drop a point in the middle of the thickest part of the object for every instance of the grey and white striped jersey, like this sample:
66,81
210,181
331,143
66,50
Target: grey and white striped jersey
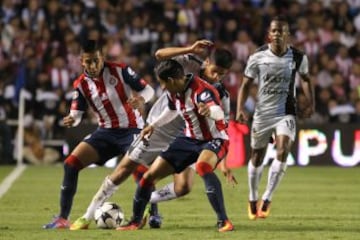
276,79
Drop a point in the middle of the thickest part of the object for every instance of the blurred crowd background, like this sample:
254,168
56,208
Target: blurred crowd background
40,46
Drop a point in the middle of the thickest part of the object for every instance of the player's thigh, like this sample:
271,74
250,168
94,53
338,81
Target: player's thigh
261,133
185,179
213,151
209,157
86,153
158,170
287,127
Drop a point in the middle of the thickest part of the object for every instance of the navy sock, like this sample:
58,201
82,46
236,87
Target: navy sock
142,197
215,195
68,190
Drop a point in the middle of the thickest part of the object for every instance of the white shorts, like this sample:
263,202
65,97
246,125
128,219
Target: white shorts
261,131
146,153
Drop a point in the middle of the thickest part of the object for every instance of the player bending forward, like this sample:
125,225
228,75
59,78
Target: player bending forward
205,141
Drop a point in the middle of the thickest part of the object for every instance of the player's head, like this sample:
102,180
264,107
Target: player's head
170,75
278,33
217,65
91,58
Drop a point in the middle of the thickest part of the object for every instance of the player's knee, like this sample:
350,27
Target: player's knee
73,162
203,168
281,153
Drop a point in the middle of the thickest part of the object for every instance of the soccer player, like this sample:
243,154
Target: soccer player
274,66
107,88
213,70
140,153
204,142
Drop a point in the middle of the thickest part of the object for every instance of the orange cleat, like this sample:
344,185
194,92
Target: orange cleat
264,210
132,225
225,226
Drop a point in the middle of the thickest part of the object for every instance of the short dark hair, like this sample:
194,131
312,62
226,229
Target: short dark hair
221,57
280,18
90,46
169,69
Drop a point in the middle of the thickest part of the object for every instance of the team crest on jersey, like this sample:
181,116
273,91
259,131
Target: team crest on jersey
113,81
292,65
75,95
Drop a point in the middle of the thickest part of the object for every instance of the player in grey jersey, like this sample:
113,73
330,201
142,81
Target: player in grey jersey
274,67
144,153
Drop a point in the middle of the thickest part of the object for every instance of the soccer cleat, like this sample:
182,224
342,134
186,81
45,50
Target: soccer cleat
225,226
57,223
252,210
132,225
80,223
155,221
264,210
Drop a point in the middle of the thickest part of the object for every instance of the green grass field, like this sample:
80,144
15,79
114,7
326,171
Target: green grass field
311,203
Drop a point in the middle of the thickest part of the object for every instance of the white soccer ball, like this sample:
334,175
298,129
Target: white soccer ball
109,216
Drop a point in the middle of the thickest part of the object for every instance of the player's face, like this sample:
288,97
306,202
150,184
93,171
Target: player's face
213,73
278,33
173,85
92,63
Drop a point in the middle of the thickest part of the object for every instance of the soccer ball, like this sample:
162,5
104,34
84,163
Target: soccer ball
109,216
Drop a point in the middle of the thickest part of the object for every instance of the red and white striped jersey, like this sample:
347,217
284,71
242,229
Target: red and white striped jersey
108,94
197,126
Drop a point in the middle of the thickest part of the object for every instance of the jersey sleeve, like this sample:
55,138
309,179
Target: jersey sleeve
78,102
304,66
224,98
251,69
133,79
208,97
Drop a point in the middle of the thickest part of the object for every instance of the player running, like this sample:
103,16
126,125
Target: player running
274,66
107,88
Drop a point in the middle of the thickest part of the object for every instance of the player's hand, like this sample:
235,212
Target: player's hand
146,133
200,46
136,102
230,178
203,109
241,116
68,121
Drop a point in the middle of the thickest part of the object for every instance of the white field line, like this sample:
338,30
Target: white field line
10,179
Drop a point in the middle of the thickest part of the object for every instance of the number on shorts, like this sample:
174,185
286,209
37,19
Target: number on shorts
290,124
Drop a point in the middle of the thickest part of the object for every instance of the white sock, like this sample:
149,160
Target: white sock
164,194
276,173
254,176
105,191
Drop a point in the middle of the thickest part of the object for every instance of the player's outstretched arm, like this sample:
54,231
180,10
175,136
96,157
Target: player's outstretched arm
197,48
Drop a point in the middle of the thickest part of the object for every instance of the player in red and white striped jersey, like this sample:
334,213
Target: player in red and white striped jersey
109,89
